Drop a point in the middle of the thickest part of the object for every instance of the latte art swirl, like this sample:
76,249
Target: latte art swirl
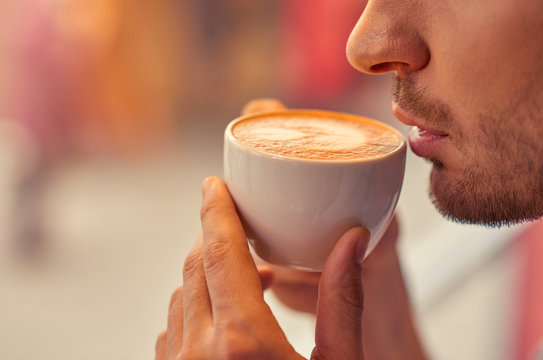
306,136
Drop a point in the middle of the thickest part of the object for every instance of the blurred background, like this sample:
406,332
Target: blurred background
111,115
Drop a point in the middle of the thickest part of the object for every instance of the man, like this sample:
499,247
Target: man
467,77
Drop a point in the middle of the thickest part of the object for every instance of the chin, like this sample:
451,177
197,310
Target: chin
480,200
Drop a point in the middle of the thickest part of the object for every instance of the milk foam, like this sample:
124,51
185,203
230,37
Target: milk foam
316,137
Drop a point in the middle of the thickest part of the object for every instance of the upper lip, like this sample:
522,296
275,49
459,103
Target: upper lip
409,118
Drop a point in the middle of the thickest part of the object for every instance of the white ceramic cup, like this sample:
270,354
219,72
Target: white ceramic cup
294,210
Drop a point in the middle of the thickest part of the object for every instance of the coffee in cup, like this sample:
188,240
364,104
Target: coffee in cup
307,137
301,178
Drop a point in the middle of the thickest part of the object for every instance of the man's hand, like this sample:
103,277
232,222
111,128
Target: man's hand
388,330
220,312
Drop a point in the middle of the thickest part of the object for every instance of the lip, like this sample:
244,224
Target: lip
423,140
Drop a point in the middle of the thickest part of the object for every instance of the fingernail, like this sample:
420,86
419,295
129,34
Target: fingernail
206,185
361,245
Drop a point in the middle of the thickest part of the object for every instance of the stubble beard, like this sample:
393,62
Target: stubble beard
502,181
475,198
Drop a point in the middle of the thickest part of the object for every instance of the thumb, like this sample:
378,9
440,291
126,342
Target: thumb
338,333
264,104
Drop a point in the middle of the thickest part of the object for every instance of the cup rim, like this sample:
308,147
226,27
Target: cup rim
228,133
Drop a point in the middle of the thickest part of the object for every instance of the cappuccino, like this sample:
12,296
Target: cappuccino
316,136
301,178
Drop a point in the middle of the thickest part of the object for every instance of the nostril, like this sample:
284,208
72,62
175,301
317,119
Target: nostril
380,68
387,67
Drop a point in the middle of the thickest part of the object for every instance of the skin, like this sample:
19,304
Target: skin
220,313
469,73
336,296
472,71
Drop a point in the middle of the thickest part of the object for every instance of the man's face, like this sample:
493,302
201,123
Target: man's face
469,78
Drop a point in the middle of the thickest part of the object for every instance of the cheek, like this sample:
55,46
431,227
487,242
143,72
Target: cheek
483,63
483,52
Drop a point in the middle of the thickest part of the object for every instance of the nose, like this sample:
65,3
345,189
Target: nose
387,38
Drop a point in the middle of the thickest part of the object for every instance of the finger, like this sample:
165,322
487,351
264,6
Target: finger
231,273
296,289
174,333
197,315
266,276
160,347
260,105
300,297
296,277
339,309
285,275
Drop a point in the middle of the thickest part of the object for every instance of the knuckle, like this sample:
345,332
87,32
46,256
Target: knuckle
236,344
160,341
176,296
185,355
175,311
353,295
192,264
215,254
192,352
208,209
